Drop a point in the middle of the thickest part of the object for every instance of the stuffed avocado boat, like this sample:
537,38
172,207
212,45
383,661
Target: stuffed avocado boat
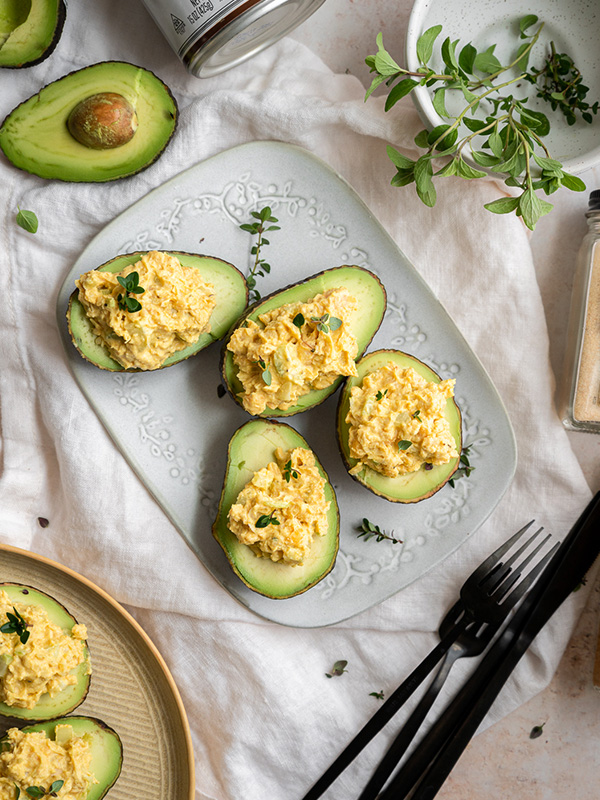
292,349
44,659
77,756
149,310
399,428
278,499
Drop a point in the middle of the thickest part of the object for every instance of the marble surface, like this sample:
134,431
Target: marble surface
503,762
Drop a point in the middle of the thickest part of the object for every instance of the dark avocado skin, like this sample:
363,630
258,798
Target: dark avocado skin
55,18
106,746
71,697
302,291
251,448
416,486
35,138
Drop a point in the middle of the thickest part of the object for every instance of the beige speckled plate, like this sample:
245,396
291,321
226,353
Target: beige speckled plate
131,688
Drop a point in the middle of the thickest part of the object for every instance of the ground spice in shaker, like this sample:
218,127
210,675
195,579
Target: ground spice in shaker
582,407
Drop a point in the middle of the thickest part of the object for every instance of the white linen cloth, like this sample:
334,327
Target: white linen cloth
265,720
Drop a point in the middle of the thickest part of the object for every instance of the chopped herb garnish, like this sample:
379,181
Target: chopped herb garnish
267,519
379,695
289,471
369,530
404,444
131,285
380,395
260,267
16,624
338,669
27,220
464,469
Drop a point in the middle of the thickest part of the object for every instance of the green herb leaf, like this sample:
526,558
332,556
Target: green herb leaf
404,444
526,23
532,208
400,160
267,519
299,320
367,530
573,183
536,731
379,695
504,205
338,669
487,62
260,266
27,220
16,624
466,58
289,472
425,43
399,91
380,395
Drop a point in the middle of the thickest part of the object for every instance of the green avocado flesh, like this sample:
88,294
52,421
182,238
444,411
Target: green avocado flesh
29,30
252,447
107,751
71,696
414,486
231,295
363,285
35,137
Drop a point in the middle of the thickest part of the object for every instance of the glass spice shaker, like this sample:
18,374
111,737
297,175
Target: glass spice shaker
581,404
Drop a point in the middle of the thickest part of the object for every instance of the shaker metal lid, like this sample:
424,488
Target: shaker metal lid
247,34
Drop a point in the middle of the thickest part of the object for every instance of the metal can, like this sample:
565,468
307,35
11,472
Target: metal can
211,36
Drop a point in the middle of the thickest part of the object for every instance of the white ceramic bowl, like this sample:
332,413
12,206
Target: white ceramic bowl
574,27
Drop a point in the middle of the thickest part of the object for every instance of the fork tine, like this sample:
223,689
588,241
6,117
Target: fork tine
505,569
519,591
492,560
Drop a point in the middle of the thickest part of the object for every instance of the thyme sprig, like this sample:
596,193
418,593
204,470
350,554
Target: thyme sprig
16,624
261,267
289,472
508,140
267,519
465,467
131,284
368,530
326,323
39,791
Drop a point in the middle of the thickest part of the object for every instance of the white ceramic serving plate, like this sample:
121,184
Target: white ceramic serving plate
574,27
173,428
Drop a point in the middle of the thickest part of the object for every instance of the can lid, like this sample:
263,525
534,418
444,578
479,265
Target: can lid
594,200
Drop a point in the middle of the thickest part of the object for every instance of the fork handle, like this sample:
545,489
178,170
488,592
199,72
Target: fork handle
407,733
384,714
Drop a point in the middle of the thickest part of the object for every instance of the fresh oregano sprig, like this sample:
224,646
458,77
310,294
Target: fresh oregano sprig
39,791
507,140
16,624
326,323
131,284
258,228
368,530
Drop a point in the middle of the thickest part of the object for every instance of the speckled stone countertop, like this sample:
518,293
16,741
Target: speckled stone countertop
504,762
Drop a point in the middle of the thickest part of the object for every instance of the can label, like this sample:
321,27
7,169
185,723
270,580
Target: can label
184,21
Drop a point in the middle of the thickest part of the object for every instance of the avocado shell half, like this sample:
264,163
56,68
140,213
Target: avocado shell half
232,297
362,284
106,747
30,33
251,448
71,696
35,137
414,486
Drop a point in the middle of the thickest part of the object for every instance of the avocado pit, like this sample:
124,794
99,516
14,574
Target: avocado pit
103,121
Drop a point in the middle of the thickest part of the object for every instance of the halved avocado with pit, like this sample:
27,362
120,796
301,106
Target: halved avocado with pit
251,448
231,295
362,284
71,696
29,30
35,136
105,744
428,479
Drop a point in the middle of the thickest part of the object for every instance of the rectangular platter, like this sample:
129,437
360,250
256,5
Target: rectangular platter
173,427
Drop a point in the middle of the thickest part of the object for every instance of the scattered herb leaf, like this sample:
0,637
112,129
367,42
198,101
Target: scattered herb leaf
289,471
338,669
417,413
507,138
379,695
267,519
260,268
368,530
16,624
404,444
131,284
39,791
327,323
27,220
43,522
536,731
380,395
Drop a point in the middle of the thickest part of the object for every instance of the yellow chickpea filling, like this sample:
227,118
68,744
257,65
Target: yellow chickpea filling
282,508
397,422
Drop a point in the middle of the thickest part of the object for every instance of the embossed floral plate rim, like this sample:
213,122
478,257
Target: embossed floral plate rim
131,688
173,428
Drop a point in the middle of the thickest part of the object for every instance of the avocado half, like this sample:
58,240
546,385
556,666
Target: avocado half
70,697
251,448
362,284
35,136
416,485
231,292
105,744
29,30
